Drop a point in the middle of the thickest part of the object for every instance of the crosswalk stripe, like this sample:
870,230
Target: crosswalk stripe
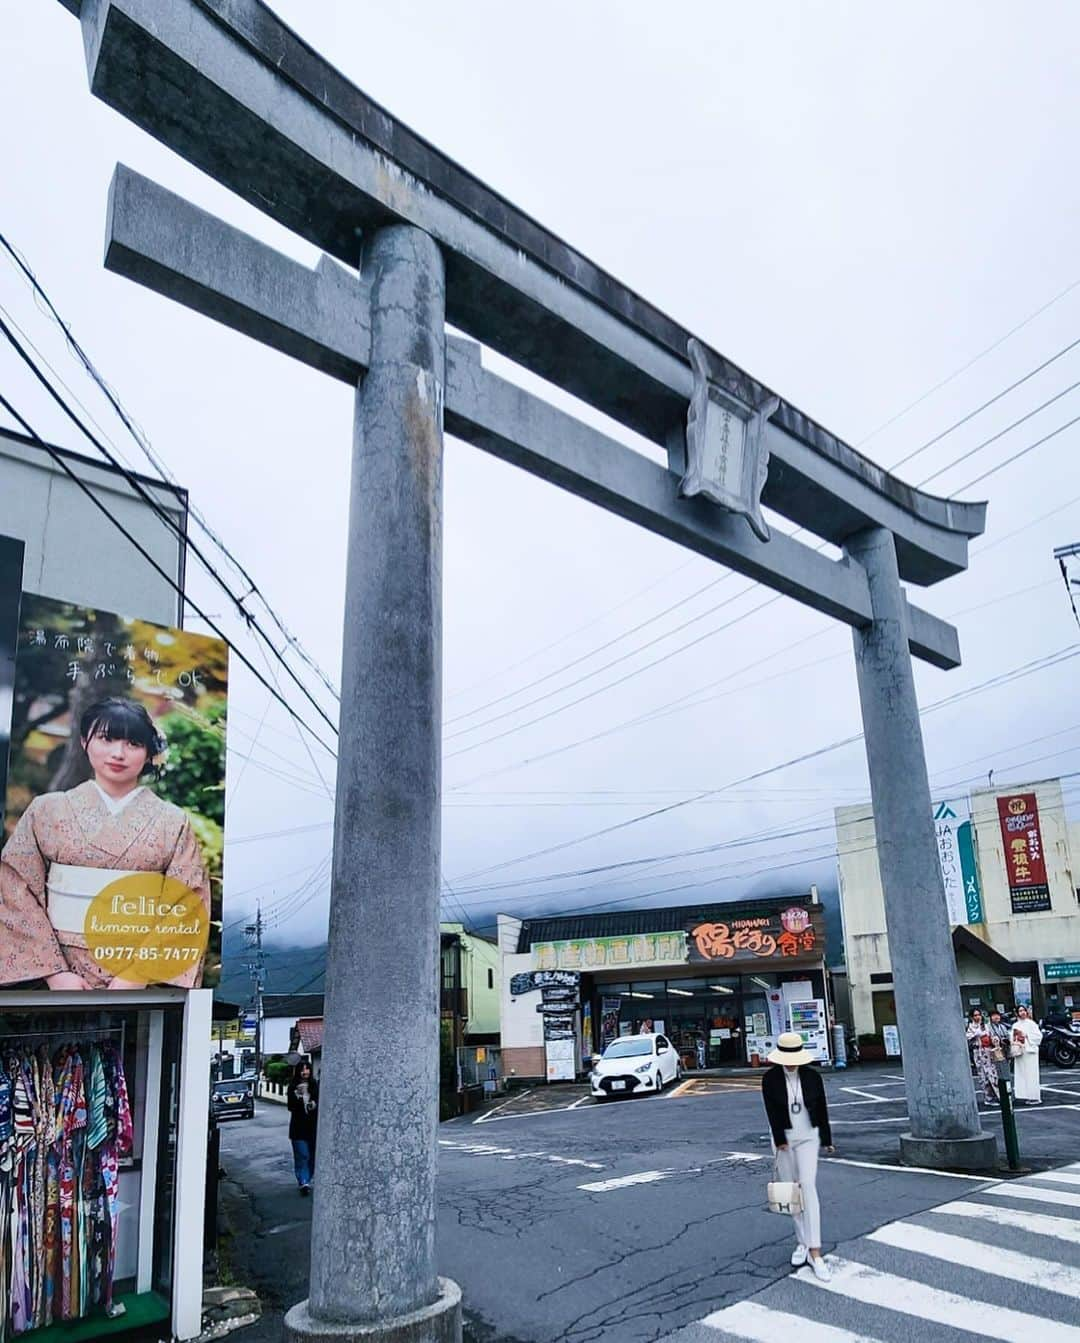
1038,1223
1017,1189
1002,1263
909,1297
747,1319
1060,1176
624,1181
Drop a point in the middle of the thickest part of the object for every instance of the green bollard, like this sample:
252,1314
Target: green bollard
1008,1116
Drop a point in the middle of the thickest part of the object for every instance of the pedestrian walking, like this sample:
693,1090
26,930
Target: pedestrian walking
982,1045
798,1115
1028,1037
303,1102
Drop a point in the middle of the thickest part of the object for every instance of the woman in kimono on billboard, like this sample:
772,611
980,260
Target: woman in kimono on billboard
69,846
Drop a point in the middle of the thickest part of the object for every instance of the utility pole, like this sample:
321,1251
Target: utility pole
257,971
1068,558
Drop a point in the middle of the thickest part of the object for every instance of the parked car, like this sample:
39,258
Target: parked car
633,1064
234,1099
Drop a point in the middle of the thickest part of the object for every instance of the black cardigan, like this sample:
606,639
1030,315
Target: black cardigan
774,1091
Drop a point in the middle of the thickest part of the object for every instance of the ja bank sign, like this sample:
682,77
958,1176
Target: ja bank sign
956,853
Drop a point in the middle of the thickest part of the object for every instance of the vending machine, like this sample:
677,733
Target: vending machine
809,1019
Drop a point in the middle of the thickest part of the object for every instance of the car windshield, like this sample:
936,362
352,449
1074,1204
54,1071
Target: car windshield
230,1089
624,1049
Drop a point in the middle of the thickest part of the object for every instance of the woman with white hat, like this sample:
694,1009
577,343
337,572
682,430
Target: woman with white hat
798,1114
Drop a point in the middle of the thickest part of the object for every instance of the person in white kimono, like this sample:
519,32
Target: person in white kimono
1026,1033
68,846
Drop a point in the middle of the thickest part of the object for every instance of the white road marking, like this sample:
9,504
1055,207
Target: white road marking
1061,1176
624,1181
855,1091
483,1119
906,1170
584,1101
1061,1091
508,1154
909,1297
493,1118
747,1319
1017,1189
1002,1263
1038,1223
853,1123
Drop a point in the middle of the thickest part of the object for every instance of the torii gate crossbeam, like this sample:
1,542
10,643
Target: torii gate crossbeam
227,85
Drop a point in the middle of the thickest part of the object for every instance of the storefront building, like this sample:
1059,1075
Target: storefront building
721,981
1011,886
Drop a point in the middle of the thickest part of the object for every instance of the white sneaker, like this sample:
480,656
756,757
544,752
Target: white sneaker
799,1256
821,1269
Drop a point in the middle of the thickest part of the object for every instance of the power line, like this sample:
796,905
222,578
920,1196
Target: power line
1039,664
155,460
970,363
1016,456
59,459
170,523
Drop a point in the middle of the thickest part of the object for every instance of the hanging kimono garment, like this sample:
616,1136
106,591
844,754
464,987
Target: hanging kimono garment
117,1144
23,1124
44,1132
71,1123
5,1195
67,847
97,1218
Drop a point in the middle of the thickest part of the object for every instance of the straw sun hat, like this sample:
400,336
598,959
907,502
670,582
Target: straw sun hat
790,1051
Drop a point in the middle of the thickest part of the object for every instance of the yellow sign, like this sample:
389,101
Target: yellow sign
147,928
481,1054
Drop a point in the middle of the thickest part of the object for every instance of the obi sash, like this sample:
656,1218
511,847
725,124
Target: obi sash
69,891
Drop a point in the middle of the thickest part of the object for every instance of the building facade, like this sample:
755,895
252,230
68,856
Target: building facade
721,981
1007,862
469,986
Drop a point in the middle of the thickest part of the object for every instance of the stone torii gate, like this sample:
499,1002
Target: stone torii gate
412,241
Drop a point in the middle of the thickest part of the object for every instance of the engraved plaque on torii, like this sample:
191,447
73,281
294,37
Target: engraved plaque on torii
727,459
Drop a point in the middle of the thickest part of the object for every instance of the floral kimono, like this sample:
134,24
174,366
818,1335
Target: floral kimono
58,843
983,1040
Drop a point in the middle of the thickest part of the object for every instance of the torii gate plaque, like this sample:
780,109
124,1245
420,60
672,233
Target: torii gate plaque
227,85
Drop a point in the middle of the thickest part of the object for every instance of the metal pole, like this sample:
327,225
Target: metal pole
373,1265
1008,1116
945,1128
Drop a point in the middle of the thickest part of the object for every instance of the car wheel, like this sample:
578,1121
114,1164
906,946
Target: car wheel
678,1073
659,1081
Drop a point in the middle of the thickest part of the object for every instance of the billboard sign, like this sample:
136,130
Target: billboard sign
793,934
956,854
1025,863
110,873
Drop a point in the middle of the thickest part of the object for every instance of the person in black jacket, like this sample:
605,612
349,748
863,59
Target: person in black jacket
303,1101
798,1114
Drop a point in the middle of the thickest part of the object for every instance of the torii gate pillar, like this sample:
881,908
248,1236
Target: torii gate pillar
373,1265
945,1129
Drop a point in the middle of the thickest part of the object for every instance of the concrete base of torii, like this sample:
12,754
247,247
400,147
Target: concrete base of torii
976,1153
438,1323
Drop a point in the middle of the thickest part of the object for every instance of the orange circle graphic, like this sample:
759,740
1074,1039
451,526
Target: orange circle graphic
147,927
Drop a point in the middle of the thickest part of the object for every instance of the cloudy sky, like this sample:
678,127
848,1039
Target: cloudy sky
876,217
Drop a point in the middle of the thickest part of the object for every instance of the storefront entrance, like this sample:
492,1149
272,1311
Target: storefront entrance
711,1020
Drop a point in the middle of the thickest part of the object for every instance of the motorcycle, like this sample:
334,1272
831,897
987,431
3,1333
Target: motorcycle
1060,1046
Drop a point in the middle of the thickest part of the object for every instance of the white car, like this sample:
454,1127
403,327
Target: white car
633,1064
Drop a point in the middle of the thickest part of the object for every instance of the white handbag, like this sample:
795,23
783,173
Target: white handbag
784,1195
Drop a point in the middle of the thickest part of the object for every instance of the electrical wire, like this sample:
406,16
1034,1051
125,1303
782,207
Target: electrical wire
155,460
59,460
170,523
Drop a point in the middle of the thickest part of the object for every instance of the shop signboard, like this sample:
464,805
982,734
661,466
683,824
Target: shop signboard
599,953
890,1036
112,863
1024,861
11,567
561,1066
795,934
956,855
1022,990
530,980
1059,970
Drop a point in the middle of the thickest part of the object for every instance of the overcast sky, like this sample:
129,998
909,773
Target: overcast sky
850,204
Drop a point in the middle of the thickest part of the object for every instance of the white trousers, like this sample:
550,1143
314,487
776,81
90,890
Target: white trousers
798,1161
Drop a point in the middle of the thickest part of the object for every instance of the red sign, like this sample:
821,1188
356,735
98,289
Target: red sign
1024,860
794,933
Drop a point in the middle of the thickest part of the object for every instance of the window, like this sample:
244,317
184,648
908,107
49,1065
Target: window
491,978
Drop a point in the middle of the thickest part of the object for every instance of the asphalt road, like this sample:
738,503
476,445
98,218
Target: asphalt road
562,1219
